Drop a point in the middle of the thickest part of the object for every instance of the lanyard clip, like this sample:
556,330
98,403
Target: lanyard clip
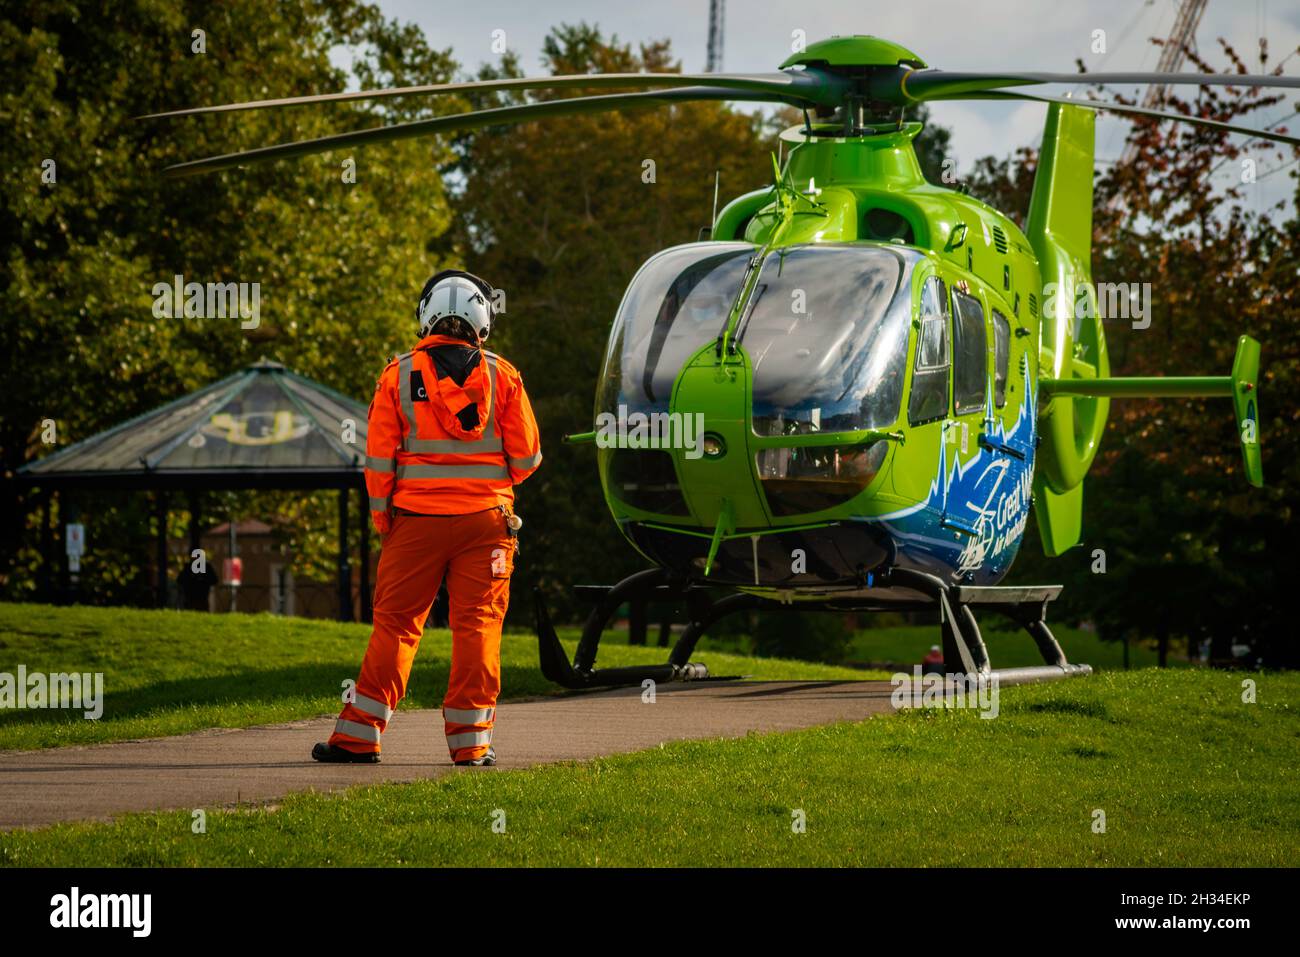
513,521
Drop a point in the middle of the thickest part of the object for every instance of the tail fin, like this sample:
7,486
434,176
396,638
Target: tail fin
1245,402
1059,228
1241,385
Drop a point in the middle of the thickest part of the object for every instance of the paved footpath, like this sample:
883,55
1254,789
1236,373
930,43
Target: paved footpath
222,767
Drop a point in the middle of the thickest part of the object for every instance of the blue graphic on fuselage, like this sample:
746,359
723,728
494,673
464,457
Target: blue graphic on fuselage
969,528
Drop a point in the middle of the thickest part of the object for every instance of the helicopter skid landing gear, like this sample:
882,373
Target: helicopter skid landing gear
655,583
964,652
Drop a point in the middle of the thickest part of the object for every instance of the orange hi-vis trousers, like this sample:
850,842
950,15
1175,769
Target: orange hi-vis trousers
475,554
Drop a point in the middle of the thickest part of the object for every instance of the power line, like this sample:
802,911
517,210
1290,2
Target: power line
1146,50
1278,169
1171,59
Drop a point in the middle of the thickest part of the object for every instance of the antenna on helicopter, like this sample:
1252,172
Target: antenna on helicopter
717,180
706,232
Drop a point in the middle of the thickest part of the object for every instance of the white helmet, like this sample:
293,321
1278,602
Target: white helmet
453,295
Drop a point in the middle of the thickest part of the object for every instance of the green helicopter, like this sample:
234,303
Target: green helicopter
849,395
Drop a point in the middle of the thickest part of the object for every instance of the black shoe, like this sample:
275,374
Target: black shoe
487,761
330,754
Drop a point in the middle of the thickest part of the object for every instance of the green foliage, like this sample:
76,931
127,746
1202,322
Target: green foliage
339,264
808,635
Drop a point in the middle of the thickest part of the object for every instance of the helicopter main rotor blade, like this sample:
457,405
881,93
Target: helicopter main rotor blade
813,86
467,121
933,84
1132,110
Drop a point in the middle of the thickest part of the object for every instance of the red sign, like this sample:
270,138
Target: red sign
233,570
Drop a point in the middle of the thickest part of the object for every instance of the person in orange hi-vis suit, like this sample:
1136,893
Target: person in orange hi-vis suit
451,434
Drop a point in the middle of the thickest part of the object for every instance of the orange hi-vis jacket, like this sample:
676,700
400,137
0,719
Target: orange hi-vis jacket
439,448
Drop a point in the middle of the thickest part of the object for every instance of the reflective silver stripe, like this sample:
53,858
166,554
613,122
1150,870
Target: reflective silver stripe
379,504
452,471
489,443
472,716
522,464
408,406
467,739
355,729
455,446
376,464
372,707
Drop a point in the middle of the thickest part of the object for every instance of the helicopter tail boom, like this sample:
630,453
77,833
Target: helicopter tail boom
1242,386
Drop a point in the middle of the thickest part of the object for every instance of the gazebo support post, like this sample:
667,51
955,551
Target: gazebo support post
70,582
196,522
47,545
345,568
160,499
363,517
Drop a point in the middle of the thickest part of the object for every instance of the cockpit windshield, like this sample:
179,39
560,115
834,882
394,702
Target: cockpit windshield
826,332
677,303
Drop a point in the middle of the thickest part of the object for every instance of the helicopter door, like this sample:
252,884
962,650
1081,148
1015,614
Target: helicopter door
1001,433
970,388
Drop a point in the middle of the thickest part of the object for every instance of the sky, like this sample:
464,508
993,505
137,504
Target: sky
1031,35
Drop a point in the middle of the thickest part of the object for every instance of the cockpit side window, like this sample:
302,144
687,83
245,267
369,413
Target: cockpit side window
929,399
1002,357
970,354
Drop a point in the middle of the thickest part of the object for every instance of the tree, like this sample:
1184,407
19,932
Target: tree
339,264
811,636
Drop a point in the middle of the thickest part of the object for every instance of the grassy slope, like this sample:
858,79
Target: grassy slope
170,672
1186,773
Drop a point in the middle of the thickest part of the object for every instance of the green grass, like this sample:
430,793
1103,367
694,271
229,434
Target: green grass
172,672
1186,773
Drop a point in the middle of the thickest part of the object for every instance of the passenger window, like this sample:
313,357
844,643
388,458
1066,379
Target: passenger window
929,399
1002,357
970,354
